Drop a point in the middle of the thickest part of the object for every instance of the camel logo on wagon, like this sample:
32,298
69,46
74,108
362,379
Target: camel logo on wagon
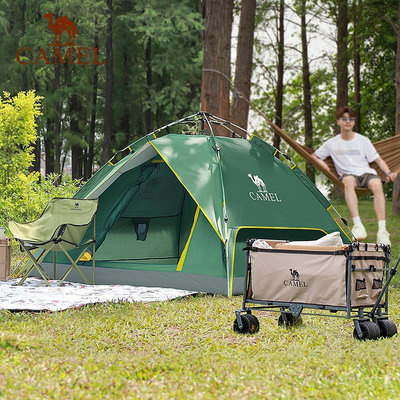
295,279
262,193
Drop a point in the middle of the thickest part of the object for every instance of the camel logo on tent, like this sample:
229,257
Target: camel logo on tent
262,194
295,281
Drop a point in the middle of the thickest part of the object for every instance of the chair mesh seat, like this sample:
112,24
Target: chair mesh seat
76,214
61,227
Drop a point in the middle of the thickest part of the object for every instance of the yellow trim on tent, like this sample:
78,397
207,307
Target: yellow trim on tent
179,179
129,147
259,227
293,167
184,252
251,137
275,152
110,163
344,233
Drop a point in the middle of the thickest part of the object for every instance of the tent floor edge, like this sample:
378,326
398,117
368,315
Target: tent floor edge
167,279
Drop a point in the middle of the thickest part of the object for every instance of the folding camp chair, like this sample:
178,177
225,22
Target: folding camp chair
61,228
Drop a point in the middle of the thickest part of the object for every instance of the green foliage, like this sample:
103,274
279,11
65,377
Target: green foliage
17,135
23,196
165,81
30,196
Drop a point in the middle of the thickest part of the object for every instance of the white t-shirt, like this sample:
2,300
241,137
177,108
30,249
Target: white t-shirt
349,156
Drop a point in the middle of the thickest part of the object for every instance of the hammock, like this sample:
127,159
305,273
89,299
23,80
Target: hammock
388,149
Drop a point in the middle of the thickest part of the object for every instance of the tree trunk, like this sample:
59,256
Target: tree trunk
396,185
397,128
90,152
308,127
357,65
57,122
396,196
217,57
76,149
148,114
37,152
276,141
49,146
109,86
244,58
342,97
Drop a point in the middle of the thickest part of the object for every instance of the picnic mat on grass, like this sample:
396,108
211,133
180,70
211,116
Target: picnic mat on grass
34,295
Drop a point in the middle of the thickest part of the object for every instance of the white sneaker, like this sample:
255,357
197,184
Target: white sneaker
383,237
359,232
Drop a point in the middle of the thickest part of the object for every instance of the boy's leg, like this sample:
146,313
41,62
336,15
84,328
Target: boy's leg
350,195
375,185
379,198
350,184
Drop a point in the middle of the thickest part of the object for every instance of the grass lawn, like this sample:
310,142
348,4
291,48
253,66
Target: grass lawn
186,349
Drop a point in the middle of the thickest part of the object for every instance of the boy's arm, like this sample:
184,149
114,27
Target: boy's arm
390,176
323,164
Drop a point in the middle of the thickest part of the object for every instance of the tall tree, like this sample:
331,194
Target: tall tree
243,65
396,186
148,113
357,63
217,60
308,125
106,155
342,94
88,167
280,72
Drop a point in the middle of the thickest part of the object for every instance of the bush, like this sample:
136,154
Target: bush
30,197
22,195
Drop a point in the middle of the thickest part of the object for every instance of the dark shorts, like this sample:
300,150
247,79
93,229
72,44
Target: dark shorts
362,180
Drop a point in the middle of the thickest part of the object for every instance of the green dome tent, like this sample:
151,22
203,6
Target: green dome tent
177,209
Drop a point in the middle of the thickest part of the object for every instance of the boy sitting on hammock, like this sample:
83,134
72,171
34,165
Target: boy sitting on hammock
351,153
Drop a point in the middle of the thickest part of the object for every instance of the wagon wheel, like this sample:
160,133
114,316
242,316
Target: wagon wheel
369,330
250,324
387,328
290,320
254,323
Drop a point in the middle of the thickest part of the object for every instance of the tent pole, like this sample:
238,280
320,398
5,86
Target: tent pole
217,149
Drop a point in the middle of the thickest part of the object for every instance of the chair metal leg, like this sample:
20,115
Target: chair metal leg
73,265
35,264
54,264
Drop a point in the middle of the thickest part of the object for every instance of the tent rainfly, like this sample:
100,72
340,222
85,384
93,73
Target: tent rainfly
176,210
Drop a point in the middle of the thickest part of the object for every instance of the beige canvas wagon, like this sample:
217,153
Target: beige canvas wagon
290,278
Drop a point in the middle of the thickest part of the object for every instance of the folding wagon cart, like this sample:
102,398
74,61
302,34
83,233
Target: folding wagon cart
352,279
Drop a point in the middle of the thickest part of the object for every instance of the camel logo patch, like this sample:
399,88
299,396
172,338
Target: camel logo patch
262,193
295,279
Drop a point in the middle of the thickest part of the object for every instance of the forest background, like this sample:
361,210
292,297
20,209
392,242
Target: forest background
134,66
